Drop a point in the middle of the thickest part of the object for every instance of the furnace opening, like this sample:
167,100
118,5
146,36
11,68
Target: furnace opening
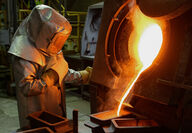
144,45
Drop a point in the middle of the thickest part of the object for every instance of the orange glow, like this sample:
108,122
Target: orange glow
145,42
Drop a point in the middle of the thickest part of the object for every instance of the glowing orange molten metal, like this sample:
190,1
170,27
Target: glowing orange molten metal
147,39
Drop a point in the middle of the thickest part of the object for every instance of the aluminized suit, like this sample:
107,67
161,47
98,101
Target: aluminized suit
31,59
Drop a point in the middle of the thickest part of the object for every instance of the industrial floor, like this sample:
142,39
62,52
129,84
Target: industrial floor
9,122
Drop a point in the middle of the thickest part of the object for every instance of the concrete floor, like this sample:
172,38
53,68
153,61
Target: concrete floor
9,121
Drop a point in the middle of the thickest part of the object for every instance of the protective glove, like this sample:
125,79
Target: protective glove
86,74
50,77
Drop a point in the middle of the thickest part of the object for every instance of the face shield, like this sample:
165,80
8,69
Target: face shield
57,41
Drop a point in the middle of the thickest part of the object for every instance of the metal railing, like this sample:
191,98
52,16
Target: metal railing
78,25
22,14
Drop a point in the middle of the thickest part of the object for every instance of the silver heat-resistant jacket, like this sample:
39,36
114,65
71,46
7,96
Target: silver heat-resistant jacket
29,47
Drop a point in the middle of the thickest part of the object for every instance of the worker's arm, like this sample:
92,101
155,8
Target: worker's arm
27,77
79,76
73,76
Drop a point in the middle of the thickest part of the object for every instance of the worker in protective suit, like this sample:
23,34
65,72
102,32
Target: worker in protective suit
39,66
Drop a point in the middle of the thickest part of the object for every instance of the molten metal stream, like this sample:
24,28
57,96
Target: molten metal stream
127,92
149,45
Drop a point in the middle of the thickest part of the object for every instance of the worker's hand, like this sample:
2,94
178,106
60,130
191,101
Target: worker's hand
50,77
86,74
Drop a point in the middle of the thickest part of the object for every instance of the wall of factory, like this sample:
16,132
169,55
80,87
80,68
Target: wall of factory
80,5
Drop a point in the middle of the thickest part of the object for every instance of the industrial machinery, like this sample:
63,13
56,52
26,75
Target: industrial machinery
159,90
